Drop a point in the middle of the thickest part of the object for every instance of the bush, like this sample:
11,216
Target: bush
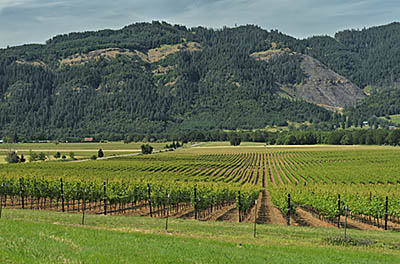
72,155
93,157
100,153
174,145
147,149
12,157
33,156
394,137
42,156
235,140
57,155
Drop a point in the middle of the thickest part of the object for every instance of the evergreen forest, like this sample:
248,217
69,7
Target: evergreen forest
154,78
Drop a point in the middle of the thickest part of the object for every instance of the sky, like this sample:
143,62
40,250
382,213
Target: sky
35,21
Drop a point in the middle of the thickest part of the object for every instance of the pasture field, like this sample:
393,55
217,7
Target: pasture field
394,118
215,182
81,150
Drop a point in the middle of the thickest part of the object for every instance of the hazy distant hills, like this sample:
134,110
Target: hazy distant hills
156,77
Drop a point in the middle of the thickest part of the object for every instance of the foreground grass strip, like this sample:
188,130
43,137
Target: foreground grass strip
49,237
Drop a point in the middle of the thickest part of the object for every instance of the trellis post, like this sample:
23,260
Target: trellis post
196,216
149,198
289,209
62,194
338,220
386,212
105,198
239,206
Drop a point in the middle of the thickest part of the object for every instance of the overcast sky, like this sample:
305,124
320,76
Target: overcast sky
35,21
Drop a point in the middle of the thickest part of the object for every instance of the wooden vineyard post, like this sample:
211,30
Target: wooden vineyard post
105,198
239,206
149,199
195,204
345,221
370,201
255,216
386,212
62,195
1,198
22,192
288,212
338,204
83,206
166,221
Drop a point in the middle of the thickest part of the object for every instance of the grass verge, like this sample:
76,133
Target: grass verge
51,237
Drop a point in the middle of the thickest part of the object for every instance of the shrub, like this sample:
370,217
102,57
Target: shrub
42,156
147,149
33,156
235,140
100,153
12,157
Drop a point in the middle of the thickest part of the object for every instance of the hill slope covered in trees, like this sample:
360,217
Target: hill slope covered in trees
156,77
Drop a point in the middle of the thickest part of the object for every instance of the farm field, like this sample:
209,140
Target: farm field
313,175
219,184
81,150
394,118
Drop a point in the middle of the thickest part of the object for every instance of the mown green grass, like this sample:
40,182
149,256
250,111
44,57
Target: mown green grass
77,155
394,118
49,237
247,147
118,145
81,150
227,143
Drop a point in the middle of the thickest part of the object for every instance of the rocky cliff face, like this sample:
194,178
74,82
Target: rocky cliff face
324,87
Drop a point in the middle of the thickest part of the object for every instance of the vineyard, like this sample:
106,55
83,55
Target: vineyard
224,185
325,183
198,186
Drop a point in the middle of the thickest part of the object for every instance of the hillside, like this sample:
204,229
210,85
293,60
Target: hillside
324,87
366,57
155,77
381,103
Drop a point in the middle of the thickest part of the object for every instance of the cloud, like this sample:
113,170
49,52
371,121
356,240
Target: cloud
300,18
37,20
11,3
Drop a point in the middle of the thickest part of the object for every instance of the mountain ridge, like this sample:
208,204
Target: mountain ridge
154,77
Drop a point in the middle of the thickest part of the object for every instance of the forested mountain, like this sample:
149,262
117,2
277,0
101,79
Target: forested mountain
156,77
381,103
366,57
